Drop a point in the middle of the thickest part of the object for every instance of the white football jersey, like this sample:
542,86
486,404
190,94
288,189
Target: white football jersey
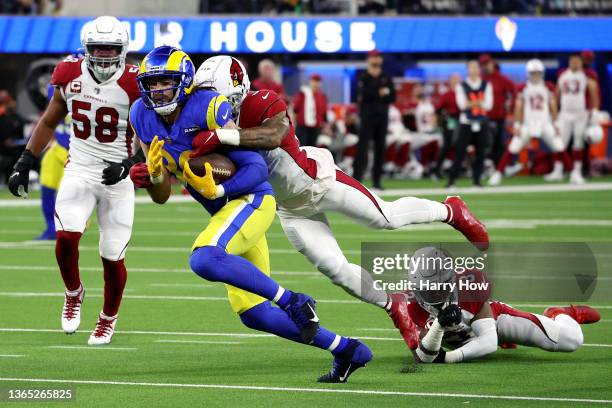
536,102
424,117
573,88
98,114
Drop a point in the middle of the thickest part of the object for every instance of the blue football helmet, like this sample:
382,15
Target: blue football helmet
165,63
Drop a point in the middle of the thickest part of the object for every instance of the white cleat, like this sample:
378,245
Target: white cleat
103,333
71,312
554,176
495,179
576,178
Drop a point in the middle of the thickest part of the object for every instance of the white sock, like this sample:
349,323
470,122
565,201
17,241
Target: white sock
74,292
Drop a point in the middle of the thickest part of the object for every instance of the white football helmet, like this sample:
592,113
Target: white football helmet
108,31
594,133
226,75
535,65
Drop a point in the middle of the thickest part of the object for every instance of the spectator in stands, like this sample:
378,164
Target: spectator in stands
474,98
448,111
310,108
503,95
266,80
11,132
372,6
375,92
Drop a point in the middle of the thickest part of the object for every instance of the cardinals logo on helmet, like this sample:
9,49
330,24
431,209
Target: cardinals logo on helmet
236,72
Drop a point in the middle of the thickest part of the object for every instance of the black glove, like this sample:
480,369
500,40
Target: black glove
440,357
450,316
19,179
115,172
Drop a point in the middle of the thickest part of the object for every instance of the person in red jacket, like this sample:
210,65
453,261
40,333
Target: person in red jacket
310,108
503,93
266,81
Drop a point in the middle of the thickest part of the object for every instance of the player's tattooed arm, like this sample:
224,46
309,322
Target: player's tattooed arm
268,136
159,192
45,129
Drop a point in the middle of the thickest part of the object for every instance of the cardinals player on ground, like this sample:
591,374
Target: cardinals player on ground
308,184
574,89
96,91
472,325
535,112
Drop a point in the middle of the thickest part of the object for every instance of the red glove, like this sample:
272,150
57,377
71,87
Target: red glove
139,173
204,142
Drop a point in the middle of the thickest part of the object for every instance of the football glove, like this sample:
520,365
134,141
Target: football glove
204,143
155,160
450,316
18,181
115,172
139,173
204,185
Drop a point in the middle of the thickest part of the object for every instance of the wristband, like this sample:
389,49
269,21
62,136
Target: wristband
228,136
157,179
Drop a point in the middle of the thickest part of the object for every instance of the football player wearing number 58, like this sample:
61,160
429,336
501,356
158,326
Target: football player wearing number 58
97,91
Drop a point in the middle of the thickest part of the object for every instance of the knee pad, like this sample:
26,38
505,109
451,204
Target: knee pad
205,262
113,249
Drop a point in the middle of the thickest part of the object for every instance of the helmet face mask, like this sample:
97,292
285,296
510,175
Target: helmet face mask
164,87
431,281
106,43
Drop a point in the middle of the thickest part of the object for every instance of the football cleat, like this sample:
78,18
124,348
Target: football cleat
402,321
71,312
462,219
576,177
554,176
301,309
354,356
103,333
581,314
495,179
47,235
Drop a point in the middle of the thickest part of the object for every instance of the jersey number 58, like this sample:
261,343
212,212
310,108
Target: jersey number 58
107,119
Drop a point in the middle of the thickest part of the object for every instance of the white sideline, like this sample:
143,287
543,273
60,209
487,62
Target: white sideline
309,390
212,334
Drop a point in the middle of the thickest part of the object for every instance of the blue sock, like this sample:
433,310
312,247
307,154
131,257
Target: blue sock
267,318
214,264
47,196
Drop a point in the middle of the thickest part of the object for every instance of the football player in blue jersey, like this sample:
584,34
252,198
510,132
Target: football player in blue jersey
232,249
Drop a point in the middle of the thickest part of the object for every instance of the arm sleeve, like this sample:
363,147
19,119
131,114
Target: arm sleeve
252,171
460,97
484,343
488,98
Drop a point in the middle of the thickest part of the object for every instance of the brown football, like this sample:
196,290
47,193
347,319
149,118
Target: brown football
222,167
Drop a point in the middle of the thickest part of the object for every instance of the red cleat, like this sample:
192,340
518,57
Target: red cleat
462,219
401,319
581,314
508,345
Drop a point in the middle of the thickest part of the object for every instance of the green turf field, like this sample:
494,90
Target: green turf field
177,341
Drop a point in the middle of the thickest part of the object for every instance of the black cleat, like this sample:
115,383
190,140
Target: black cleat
354,356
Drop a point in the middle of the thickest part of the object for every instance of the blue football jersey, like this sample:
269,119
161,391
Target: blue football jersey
204,110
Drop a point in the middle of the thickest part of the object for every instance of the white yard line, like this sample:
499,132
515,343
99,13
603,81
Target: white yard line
11,355
309,390
198,342
33,268
94,348
210,334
